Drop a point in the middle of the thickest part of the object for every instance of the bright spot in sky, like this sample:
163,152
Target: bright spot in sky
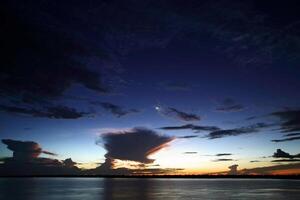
157,108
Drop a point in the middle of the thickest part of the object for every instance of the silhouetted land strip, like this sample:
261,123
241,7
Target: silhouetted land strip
168,176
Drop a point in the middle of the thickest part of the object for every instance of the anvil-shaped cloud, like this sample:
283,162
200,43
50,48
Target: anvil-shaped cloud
134,144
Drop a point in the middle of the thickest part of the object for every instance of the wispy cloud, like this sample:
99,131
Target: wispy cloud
223,154
238,131
223,160
286,139
177,114
187,136
116,110
290,120
53,112
190,152
229,105
192,127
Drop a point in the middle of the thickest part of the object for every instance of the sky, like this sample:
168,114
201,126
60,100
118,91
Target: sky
150,87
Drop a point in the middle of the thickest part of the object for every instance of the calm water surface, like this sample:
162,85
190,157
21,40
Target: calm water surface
145,189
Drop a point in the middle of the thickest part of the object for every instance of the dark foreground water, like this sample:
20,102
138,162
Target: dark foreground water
144,189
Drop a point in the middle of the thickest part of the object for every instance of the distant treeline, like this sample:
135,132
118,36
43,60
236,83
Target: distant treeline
171,176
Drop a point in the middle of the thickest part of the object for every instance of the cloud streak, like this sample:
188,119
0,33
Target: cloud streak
229,105
116,110
223,154
223,160
192,127
187,136
52,112
286,139
290,120
238,131
177,114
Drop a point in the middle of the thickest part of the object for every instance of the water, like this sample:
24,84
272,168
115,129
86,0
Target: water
146,189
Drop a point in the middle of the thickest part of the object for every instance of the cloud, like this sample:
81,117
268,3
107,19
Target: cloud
26,161
271,169
291,134
115,109
42,63
223,160
238,131
188,136
289,123
286,160
290,120
24,150
254,161
229,105
51,54
69,163
195,128
287,139
53,112
223,154
190,152
177,114
133,145
233,170
281,154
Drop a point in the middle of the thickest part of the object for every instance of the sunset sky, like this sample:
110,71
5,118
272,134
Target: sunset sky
150,86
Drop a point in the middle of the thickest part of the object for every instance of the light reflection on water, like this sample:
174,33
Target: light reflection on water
146,189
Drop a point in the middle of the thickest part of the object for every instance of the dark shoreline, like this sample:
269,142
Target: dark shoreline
165,176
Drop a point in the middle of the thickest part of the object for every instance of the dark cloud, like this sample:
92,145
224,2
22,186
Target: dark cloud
287,139
195,128
286,160
53,112
69,163
24,150
39,62
190,152
223,160
254,161
233,170
134,145
177,114
281,154
291,134
269,170
188,136
290,120
223,154
53,51
26,161
252,117
115,109
229,105
238,131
